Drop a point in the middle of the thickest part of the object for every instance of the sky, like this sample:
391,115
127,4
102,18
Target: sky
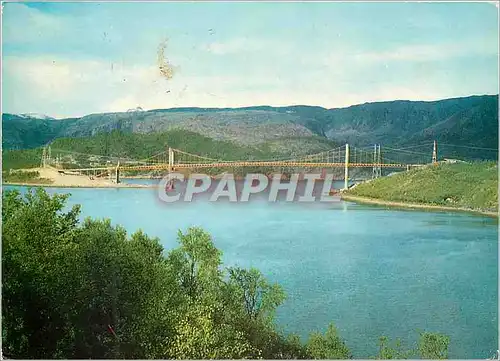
73,59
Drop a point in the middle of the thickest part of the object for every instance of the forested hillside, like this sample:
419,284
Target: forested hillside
141,146
20,132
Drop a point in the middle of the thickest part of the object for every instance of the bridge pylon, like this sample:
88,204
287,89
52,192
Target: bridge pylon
379,167
377,160
170,159
117,173
43,163
434,153
346,167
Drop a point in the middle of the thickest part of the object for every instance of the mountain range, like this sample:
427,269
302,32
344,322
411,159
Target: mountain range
467,121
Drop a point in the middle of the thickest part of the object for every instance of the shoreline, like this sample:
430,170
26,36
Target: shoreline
53,185
394,204
344,197
52,178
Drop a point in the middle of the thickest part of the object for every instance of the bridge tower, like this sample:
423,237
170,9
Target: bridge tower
346,167
434,153
43,163
170,159
46,157
377,160
117,173
379,166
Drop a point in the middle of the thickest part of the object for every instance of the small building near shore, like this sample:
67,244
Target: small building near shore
453,161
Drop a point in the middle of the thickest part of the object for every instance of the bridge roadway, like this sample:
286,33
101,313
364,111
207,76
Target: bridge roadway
249,164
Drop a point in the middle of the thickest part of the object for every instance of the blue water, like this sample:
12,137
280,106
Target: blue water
372,271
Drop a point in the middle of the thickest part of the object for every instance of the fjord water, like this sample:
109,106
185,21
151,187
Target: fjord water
373,271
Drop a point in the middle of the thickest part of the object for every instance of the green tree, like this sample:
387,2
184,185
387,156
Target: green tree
196,264
430,346
259,297
206,328
65,286
253,303
388,352
124,283
433,346
35,235
200,336
327,346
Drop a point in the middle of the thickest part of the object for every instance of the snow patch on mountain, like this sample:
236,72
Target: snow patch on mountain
35,115
137,109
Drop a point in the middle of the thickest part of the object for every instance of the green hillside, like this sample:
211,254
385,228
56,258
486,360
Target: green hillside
16,159
134,146
140,146
19,132
470,121
461,185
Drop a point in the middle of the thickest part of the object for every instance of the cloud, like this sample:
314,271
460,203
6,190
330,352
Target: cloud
410,63
429,52
246,45
44,83
232,46
345,59
62,87
35,24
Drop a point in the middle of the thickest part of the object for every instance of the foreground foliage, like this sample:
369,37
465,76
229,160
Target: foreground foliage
87,290
466,185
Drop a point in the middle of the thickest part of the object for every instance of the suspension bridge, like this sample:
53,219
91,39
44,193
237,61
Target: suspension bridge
173,159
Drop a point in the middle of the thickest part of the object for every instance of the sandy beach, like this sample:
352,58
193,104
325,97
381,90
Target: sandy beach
56,179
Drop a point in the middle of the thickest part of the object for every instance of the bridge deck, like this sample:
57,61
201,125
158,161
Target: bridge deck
250,164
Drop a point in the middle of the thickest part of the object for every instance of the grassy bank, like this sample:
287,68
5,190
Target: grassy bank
461,186
24,177
406,205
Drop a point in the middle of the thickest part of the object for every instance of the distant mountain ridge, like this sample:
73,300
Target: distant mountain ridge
467,120
36,116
